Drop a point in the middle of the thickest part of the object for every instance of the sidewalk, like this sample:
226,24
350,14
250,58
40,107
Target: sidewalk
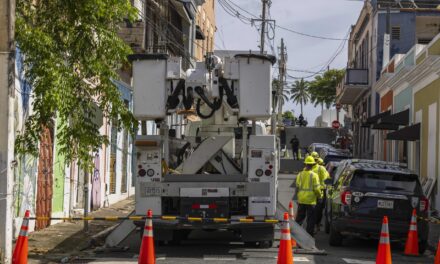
67,239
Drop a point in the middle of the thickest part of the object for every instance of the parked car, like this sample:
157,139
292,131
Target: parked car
334,154
366,191
318,147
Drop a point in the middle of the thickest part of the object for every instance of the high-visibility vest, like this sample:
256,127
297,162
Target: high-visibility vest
322,174
308,187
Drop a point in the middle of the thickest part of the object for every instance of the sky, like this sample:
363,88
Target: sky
326,18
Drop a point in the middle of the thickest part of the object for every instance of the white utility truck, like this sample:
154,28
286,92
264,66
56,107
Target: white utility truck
221,169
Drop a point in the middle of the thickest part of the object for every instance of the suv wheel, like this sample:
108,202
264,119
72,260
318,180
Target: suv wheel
335,238
423,245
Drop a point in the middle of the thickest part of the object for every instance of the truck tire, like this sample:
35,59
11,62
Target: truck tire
335,238
265,244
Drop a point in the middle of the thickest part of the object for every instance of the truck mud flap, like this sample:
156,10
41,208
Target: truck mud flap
302,238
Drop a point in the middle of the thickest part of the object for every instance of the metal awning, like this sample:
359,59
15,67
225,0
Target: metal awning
400,118
199,33
409,133
374,119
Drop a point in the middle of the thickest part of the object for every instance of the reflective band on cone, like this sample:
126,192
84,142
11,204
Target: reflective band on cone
146,254
384,250
412,242
20,255
291,212
285,254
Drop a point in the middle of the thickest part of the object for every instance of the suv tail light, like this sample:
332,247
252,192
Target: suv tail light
346,197
424,204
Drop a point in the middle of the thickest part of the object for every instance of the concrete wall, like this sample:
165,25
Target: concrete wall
309,135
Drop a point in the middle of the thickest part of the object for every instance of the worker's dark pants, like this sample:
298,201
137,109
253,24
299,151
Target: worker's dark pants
295,153
320,205
309,211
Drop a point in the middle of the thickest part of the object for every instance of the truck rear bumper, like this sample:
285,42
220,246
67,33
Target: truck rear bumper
166,230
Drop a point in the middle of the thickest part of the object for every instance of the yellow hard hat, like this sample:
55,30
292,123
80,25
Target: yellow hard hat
320,161
315,155
309,160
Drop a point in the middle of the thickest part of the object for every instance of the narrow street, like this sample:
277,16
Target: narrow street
205,247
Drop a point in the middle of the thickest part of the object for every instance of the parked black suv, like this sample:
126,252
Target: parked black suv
366,191
334,154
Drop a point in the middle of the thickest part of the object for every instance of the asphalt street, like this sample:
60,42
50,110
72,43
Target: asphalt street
222,247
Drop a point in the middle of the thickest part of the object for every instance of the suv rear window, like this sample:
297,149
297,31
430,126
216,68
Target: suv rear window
383,181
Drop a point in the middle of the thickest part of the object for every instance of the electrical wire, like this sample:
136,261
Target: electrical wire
235,13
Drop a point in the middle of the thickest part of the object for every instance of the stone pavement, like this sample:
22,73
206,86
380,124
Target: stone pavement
61,241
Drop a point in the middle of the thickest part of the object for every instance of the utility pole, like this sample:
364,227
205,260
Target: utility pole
263,26
282,74
7,135
264,22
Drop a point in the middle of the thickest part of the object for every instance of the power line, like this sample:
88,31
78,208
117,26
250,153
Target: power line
235,13
309,35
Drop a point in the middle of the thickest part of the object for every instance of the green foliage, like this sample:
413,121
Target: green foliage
323,88
67,47
299,93
289,115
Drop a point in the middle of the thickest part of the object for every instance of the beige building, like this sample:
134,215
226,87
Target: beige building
205,29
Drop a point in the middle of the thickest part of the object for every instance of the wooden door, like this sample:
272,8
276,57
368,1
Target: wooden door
45,179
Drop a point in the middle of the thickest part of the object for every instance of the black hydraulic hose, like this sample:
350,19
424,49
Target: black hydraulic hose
188,99
199,113
202,95
231,98
173,100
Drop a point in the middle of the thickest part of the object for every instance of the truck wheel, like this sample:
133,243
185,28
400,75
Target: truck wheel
265,244
423,245
335,238
250,244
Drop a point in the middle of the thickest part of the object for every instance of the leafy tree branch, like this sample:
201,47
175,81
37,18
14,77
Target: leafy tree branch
71,53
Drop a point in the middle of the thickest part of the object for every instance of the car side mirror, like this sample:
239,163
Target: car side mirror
328,181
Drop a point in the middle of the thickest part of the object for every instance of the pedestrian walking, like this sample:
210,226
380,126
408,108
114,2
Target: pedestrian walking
323,174
308,192
295,147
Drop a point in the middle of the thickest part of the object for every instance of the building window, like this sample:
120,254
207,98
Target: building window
395,33
424,41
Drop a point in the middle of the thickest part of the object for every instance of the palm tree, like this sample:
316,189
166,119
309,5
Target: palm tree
276,85
299,93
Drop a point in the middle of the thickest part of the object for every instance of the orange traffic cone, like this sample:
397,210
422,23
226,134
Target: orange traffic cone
285,254
384,251
437,254
291,213
146,254
292,216
20,255
412,242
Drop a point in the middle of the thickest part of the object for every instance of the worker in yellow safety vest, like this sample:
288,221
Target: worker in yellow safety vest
323,175
308,192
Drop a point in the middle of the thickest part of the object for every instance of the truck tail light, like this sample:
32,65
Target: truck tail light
204,206
346,197
424,204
